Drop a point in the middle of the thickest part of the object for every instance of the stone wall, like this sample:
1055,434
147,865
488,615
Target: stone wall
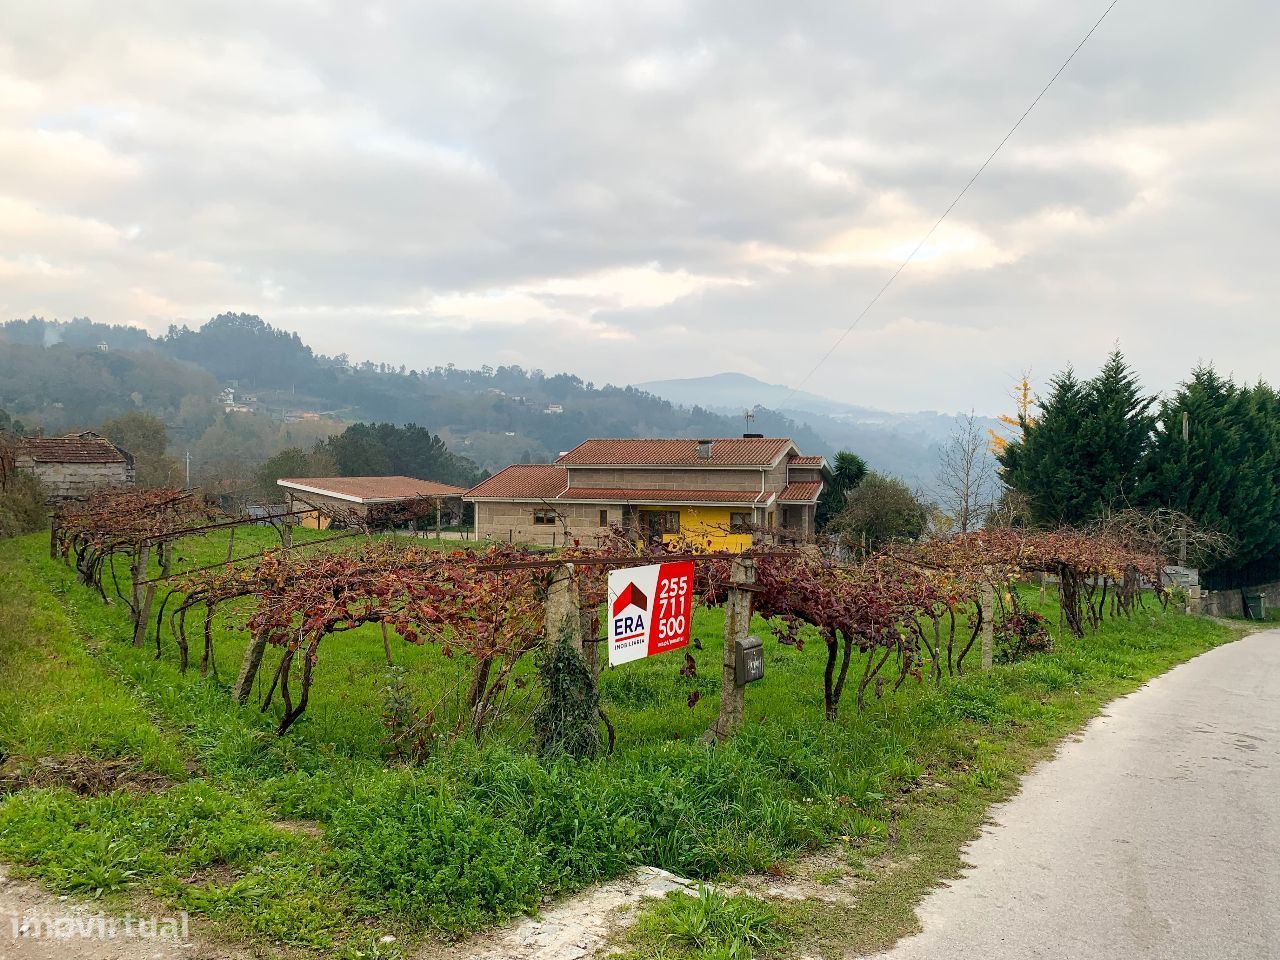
1230,603
660,478
513,521
75,481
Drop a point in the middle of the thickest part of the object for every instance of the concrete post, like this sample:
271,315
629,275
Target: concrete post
737,623
562,605
249,667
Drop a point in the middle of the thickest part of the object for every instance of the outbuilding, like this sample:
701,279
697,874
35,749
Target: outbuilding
72,467
375,500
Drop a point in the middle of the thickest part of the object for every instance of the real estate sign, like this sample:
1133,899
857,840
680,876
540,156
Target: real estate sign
650,610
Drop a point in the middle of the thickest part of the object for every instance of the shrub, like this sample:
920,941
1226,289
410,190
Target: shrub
567,721
1020,634
22,505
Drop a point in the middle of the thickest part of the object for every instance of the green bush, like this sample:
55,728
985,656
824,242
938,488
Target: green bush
22,505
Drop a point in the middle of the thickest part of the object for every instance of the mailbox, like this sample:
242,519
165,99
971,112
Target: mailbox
748,661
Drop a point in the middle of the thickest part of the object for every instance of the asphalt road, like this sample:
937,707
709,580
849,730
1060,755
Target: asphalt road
1155,834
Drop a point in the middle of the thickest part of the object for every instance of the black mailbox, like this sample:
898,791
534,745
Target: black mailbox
748,661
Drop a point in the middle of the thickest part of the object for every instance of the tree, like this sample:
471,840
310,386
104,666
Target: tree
1119,429
1083,455
144,437
293,462
966,478
383,449
878,511
847,471
1215,456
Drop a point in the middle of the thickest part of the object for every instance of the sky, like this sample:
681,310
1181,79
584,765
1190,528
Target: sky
641,191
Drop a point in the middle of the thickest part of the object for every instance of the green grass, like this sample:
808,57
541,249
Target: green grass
478,834
708,926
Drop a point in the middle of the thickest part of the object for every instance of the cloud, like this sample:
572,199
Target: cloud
654,190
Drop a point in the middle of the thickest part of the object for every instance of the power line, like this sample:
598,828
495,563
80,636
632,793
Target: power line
959,196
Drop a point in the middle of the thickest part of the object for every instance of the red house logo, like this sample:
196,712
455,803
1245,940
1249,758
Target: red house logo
631,596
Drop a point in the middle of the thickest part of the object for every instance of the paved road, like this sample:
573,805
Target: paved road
1156,834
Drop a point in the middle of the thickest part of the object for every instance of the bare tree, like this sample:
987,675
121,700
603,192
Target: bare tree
967,485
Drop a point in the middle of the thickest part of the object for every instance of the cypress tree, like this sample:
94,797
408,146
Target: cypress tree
1043,464
1225,472
1117,431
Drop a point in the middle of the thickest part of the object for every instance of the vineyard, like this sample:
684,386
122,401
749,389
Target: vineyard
910,614
329,737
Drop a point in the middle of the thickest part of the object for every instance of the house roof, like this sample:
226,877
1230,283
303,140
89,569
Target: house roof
551,482
725,452
807,461
806,492
659,496
522,481
73,448
370,489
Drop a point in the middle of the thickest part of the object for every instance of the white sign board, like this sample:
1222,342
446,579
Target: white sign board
650,610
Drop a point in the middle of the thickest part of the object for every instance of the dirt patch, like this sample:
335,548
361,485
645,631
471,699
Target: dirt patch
82,775
304,828
214,875
574,928
38,925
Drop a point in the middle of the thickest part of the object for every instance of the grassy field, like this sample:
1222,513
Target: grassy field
314,843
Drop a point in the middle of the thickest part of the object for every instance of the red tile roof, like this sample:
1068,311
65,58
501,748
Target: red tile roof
652,495
73,448
807,461
731,451
538,481
371,489
800,492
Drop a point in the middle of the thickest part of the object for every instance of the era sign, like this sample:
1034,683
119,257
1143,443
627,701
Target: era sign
650,610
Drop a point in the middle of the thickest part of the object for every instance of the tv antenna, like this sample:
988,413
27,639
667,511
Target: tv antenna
749,416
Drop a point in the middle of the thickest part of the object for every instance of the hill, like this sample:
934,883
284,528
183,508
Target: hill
61,376
903,444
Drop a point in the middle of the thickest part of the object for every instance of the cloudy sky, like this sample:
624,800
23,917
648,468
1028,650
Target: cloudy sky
634,191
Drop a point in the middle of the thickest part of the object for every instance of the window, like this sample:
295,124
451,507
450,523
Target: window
659,522
740,523
542,517
604,518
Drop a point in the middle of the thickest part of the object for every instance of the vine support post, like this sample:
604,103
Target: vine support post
142,594
53,536
286,535
988,601
562,604
737,621
249,667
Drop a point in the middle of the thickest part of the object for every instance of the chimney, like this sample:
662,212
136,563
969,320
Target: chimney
753,436
704,449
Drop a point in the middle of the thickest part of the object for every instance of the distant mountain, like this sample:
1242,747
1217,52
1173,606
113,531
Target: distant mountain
903,444
237,369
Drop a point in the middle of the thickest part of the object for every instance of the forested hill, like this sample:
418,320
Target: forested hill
65,375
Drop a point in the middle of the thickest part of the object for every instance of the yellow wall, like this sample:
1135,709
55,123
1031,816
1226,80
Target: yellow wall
708,526
313,520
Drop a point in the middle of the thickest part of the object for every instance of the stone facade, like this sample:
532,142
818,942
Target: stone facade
72,467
